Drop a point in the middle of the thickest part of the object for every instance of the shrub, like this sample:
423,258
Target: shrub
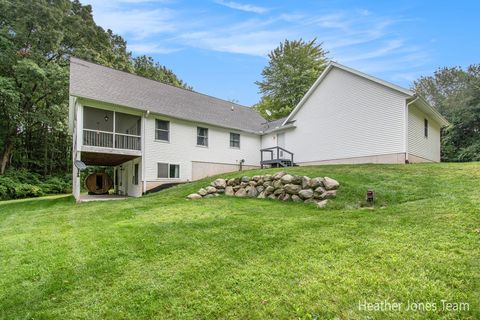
25,190
55,185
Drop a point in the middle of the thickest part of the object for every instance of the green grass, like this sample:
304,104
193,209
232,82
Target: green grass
162,256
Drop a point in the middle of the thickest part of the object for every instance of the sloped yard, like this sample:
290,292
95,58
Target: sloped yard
163,256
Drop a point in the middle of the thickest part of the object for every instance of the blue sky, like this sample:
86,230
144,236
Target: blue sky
220,47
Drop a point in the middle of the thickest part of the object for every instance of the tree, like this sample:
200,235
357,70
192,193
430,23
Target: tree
37,38
455,93
293,68
147,67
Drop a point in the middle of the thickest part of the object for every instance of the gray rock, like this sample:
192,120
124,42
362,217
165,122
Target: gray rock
211,189
220,183
202,192
320,189
288,178
241,193
286,197
194,196
297,180
278,175
261,195
220,191
305,193
316,182
292,188
277,184
322,203
272,196
260,181
305,182
260,188
330,194
278,191
296,198
210,195
309,201
236,187
231,182
245,179
256,178
269,190
229,191
253,193
267,183
253,183
330,184
267,177
243,184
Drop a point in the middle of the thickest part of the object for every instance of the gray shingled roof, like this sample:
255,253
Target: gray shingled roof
93,81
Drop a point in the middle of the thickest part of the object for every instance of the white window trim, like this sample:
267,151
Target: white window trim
239,140
196,138
169,130
168,171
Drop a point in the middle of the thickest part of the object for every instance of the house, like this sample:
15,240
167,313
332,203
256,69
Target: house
153,133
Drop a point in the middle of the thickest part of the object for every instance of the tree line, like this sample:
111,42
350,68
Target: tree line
37,38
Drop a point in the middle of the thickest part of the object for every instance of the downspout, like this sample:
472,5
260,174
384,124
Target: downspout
406,127
144,123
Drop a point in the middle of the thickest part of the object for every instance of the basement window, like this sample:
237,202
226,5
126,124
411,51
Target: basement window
167,170
425,127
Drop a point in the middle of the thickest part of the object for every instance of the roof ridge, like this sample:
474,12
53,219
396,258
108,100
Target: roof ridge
167,84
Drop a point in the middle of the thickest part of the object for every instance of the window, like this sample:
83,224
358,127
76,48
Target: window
174,171
202,137
162,130
165,170
425,127
234,140
135,174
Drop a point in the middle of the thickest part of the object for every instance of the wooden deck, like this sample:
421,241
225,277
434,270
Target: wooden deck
276,157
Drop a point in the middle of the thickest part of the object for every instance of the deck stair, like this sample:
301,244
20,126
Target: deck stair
276,157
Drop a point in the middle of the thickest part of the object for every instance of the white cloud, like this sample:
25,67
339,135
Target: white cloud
242,7
150,48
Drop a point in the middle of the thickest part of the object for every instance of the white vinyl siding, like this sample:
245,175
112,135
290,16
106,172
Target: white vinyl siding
419,145
183,150
348,116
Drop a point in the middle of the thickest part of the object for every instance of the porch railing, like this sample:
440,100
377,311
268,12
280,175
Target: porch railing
106,139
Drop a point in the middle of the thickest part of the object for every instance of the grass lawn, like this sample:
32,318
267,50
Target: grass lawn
162,256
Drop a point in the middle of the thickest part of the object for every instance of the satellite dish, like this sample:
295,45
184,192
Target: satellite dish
80,165
268,112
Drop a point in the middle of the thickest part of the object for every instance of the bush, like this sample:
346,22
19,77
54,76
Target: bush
23,184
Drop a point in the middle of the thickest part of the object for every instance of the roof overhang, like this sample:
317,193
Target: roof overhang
279,128
425,107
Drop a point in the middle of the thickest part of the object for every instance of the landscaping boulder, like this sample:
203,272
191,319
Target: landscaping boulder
296,198
297,180
267,177
229,191
322,203
286,197
260,188
194,196
220,183
269,190
305,182
330,184
253,183
311,200
252,192
211,189
261,195
245,179
316,182
278,175
241,193
272,196
292,188
202,192
330,194
278,184
286,179
305,193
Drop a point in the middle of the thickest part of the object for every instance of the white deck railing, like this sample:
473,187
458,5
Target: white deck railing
106,139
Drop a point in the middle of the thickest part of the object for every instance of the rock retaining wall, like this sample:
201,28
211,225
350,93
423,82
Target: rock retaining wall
279,186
